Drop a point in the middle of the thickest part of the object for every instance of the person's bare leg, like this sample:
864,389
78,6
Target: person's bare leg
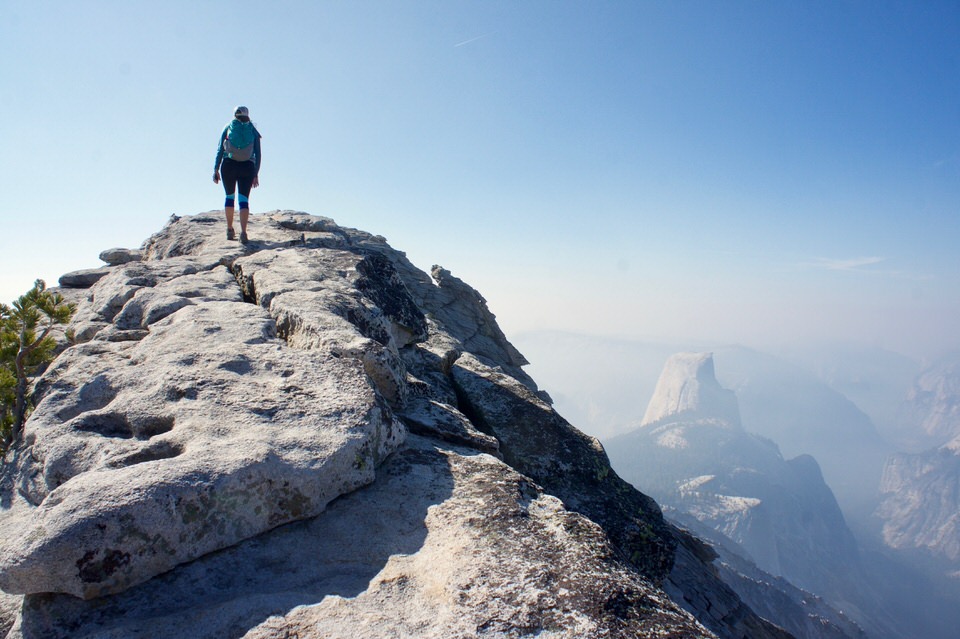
244,217
228,213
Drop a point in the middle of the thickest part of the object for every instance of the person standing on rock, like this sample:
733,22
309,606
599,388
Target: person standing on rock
238,164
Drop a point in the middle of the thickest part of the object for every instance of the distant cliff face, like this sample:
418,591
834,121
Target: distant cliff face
930,415
688,392
921,505
921,500
308,436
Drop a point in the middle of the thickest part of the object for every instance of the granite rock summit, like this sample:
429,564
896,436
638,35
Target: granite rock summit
308,436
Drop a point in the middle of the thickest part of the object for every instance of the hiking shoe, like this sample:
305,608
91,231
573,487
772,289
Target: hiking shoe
243,237
230,234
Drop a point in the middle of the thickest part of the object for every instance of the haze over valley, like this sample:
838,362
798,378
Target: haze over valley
804,421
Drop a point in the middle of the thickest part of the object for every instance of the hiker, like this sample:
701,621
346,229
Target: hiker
238,163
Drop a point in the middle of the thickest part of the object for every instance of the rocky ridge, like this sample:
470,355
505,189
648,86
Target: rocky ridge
309,436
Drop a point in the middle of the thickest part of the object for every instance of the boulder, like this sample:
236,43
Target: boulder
84,278
118,256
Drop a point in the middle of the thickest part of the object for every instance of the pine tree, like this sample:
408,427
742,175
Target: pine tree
25,344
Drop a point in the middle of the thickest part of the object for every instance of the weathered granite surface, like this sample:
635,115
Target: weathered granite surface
225,453
446,543
183,426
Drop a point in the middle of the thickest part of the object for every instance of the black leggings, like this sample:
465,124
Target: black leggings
234,174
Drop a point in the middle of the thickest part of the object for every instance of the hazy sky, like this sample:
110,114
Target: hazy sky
751,171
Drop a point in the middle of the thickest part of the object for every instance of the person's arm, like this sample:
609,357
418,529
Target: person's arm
216,164
256,154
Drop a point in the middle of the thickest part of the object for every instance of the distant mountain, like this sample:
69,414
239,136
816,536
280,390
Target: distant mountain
602,385
803,415
691,453
797,400
873,378
688,392
768,515
802,613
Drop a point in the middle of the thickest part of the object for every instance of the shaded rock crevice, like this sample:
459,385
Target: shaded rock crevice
435,408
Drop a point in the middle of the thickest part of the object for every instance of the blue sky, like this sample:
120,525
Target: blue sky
745,171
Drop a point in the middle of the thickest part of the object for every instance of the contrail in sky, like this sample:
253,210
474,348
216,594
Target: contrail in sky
460,44
864,264
851,264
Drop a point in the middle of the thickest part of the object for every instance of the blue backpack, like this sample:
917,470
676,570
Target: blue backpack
238,143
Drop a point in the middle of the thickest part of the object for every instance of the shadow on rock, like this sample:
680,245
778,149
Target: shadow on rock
224,594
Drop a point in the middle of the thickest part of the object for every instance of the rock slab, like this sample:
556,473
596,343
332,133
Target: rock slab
183,426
